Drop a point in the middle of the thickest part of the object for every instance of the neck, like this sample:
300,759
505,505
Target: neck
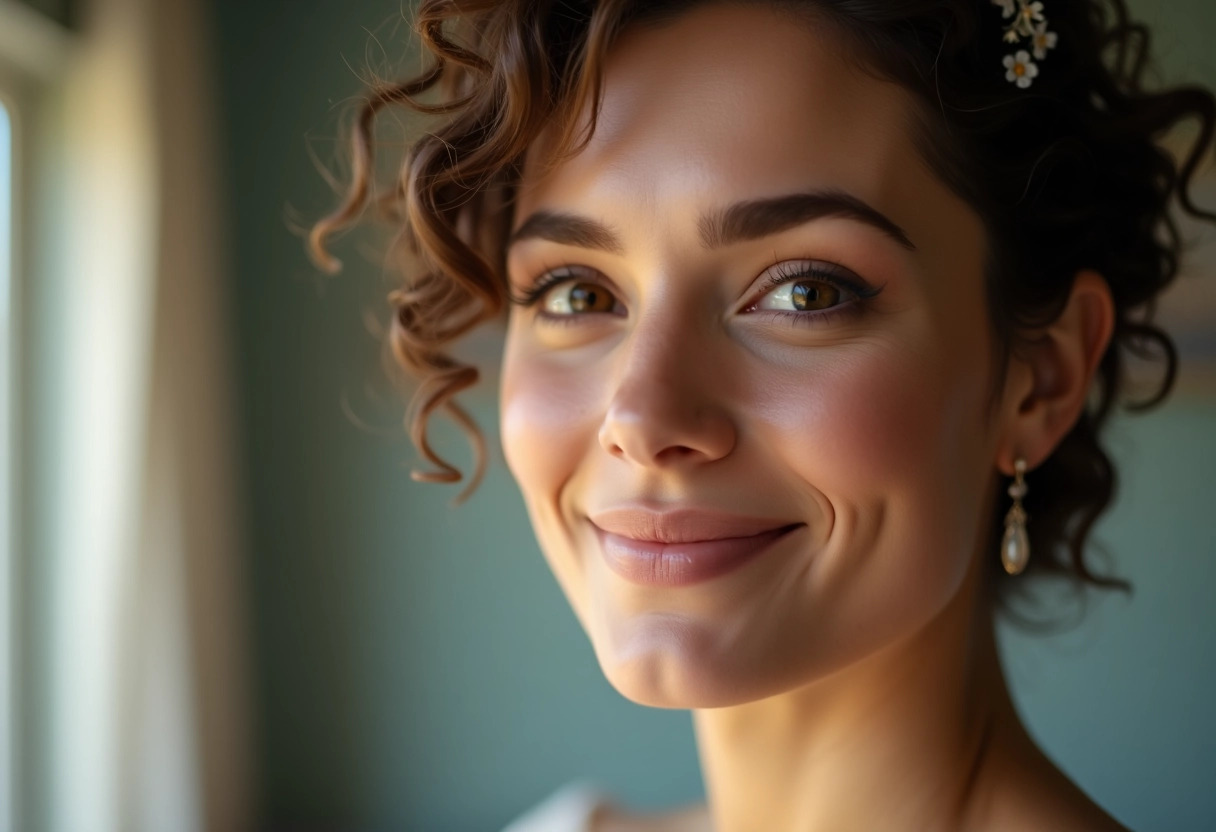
900,740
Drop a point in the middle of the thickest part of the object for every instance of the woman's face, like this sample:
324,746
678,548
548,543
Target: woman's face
733,352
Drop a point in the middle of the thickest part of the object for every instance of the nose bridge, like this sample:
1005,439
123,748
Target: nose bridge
664,404
661,348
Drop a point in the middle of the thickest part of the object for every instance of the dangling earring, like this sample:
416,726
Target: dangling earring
1015,547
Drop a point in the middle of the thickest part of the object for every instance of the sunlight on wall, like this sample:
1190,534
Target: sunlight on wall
6,561
108,252
6,150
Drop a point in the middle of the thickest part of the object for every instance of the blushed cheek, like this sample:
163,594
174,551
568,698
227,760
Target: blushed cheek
858,422
547,423
548,426
882,440
881,426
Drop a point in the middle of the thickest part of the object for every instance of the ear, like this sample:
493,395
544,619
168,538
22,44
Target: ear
1050,374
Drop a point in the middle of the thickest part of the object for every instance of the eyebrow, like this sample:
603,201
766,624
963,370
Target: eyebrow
739,222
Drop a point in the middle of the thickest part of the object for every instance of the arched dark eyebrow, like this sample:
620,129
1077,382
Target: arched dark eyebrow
750,220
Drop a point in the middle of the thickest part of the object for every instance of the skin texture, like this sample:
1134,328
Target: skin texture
847,678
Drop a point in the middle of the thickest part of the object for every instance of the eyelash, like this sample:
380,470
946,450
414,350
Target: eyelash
792,271
785,272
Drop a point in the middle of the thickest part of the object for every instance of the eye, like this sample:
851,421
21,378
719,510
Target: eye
570,297
801,296
811,292
567,293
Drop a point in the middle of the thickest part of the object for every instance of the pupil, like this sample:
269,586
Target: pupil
810,296
584,298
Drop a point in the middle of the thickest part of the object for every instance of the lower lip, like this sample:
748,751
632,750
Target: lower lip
650,563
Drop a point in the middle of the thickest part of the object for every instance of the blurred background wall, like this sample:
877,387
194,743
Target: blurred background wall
122,701
61,11
415,667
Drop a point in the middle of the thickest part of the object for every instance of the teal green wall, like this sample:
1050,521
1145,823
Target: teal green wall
1122,701
60,10
417,668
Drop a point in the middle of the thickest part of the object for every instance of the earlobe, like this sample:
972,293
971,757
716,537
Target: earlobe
1056,369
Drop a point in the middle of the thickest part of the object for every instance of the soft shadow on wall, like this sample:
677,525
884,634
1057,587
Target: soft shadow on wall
125,629
417,666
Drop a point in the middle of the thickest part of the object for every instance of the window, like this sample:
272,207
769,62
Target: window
34,53
7,676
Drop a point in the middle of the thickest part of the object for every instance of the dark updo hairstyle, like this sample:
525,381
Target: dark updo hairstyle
1065,175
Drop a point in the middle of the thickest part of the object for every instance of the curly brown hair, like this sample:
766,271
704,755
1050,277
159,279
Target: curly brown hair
1065,175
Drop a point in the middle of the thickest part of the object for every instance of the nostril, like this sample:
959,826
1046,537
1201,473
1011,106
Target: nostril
608,442
674,453
655,425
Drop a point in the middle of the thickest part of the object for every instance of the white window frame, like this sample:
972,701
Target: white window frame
33,52
9,609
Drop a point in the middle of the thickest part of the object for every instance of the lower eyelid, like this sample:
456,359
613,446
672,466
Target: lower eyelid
573,321
819,317
850,307
846,309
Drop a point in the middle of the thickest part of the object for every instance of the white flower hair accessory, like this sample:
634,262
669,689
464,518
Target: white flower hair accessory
1028,22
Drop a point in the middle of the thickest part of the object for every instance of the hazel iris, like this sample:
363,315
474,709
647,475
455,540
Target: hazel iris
811,296
587,297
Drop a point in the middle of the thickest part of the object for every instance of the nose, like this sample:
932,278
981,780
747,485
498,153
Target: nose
668,406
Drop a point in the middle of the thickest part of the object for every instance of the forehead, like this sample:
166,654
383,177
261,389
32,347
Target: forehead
729,102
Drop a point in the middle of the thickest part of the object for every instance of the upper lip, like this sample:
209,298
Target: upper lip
685,525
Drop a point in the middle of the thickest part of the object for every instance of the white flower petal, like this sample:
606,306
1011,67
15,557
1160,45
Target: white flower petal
1030,11
1007,9
1043,40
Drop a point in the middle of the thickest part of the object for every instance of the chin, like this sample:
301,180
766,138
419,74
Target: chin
671,669
662,683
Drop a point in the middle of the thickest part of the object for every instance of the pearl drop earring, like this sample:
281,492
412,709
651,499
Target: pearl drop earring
1015,547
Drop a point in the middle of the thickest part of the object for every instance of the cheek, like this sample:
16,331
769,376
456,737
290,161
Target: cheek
892,437
889,436
544,429
873,415
545,411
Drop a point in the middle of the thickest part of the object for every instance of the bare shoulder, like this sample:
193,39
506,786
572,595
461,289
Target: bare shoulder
1029,793
693,818
1033,793
1071,816
1066,809
697,819
1075,813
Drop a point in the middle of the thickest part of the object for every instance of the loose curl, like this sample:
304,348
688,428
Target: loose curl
1065,175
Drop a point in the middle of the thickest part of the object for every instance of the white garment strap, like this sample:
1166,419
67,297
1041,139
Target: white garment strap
569,809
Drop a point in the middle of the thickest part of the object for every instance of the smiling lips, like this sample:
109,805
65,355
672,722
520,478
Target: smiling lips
681,547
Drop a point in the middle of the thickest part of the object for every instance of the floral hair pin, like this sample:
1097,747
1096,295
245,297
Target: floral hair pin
1028,22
